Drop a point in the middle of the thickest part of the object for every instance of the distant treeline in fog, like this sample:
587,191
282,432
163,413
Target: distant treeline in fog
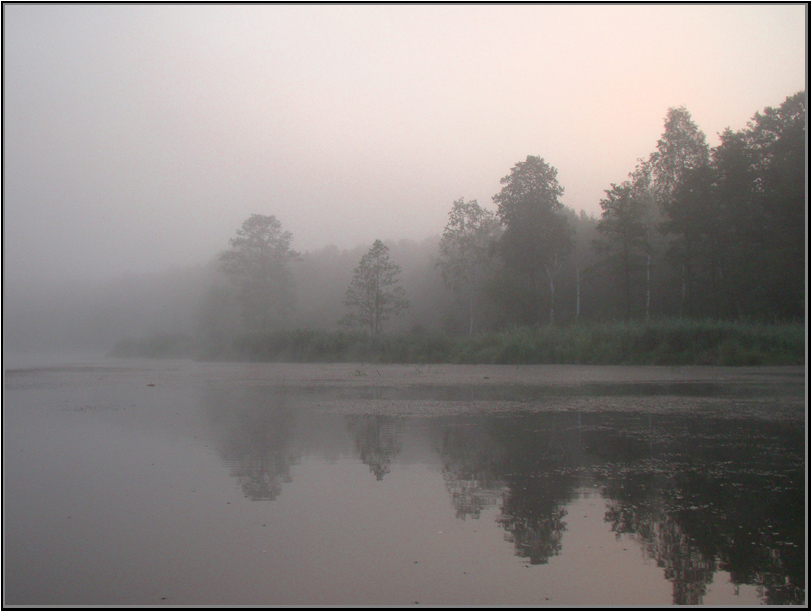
694,233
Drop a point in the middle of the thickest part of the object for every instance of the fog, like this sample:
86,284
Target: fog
137,138
91,316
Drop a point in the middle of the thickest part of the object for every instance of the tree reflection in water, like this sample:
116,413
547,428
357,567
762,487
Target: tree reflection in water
638,507
711,495
254,431
377,440
471,461
515,460
540,453
699,494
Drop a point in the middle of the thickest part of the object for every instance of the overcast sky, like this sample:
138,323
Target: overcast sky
138,138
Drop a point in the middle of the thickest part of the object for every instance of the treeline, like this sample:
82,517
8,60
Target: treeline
693,234
713,232
667,342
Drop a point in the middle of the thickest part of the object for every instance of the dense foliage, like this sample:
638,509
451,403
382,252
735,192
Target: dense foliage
719,232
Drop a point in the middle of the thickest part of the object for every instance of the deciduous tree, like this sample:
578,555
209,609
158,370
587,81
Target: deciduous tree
624,239
777,138
257,264
375,295
538,235
466,250
681,150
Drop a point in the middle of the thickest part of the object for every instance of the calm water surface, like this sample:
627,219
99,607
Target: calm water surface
175,483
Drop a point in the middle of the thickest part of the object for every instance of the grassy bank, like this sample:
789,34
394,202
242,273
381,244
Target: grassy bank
666,342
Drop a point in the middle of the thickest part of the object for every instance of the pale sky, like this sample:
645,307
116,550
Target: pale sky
138,138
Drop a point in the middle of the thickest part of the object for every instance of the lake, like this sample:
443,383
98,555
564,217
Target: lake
163,483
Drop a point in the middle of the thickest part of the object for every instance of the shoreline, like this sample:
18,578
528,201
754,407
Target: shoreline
384,375
365,374
761,392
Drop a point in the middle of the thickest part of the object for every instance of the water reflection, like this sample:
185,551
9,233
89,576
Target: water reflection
254,430
470,459
514,460
538,452
698,494
377,441
715,495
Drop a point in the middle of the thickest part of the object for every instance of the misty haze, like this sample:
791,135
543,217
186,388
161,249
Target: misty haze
405,305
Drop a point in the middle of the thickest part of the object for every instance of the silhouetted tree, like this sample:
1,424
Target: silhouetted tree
777,139
745,245
736,218
374,294
643,194
695,218
257,264
466,250
681,150
624,239
585,227
538,236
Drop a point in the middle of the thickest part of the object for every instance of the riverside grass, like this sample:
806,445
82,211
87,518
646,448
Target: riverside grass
663,342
